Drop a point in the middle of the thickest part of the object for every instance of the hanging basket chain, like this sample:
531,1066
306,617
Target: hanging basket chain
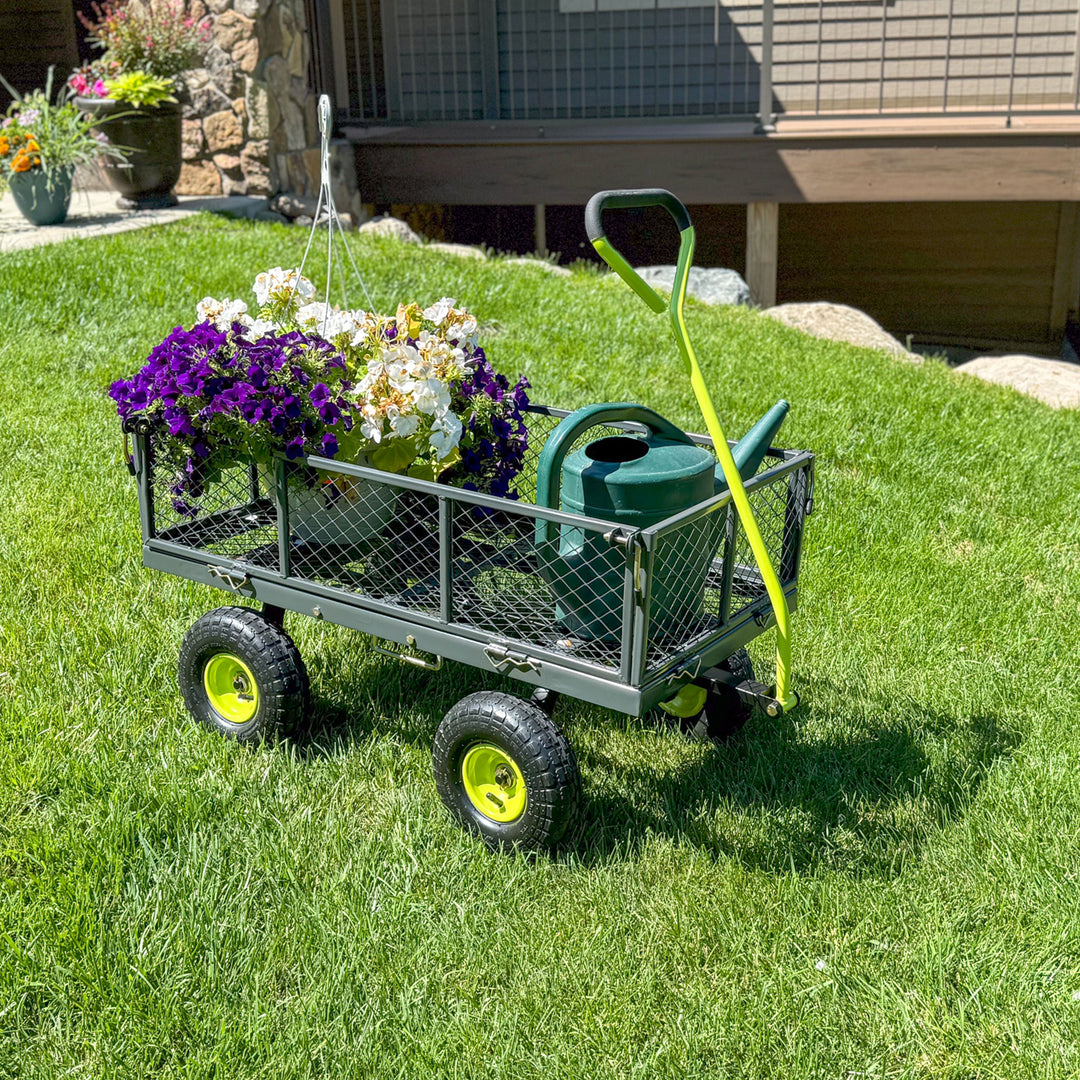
333,219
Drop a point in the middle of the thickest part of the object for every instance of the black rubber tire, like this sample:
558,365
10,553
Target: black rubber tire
530,737
272,658
725,713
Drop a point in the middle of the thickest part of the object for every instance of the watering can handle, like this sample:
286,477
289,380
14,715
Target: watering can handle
559,442
621,200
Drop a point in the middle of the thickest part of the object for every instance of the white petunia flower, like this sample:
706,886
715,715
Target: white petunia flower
208,308
312,313
431,396
371,424
223,313
256,328
402,427
279,284
439,310
445,434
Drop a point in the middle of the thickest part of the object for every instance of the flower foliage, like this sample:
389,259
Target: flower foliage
409,392
159,40
46,134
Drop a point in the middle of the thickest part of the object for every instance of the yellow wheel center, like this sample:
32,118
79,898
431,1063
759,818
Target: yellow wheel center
494,783
231,688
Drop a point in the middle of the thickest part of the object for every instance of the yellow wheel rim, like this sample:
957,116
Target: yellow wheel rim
231,688
494,783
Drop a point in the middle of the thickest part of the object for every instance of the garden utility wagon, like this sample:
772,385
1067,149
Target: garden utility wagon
650,614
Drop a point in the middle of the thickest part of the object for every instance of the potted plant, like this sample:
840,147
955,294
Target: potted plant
130,91
409,392
42,139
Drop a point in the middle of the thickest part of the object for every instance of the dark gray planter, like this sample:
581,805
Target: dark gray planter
41,199
151,137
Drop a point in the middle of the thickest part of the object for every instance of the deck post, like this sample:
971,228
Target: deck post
540,228
762,242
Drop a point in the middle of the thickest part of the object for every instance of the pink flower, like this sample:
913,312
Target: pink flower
77,83
99,89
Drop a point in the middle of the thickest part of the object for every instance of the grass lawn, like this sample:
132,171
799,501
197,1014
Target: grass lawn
884,884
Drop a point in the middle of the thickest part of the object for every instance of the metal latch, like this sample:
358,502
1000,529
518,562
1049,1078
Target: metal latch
501,657
411,658
618,538
235,580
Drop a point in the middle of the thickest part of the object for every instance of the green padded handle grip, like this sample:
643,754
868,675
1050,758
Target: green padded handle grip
559,442
621,200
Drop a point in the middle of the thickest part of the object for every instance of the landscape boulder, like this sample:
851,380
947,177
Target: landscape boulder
710,285
389,226
1053,382
838,322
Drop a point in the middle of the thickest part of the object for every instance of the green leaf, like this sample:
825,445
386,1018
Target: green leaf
395,455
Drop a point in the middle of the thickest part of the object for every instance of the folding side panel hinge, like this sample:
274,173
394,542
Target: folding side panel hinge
232,578
503,659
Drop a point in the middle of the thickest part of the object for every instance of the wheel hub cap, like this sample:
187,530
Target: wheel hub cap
493,783
231,688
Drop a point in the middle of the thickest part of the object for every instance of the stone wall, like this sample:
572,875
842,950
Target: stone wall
250,123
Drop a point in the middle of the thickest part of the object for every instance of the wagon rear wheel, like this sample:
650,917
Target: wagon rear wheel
506,772
242,676
708,711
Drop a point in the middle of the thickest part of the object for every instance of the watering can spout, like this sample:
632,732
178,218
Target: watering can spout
750,450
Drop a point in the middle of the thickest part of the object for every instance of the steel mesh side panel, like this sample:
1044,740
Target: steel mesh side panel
770,505
366,538
562,591
683,614
228,514
687,587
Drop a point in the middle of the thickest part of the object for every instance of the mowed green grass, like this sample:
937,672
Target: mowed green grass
884,884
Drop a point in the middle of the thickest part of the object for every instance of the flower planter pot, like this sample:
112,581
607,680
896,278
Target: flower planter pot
337,509
42,199
151,137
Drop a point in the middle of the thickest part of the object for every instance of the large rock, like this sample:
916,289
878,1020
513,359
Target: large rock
291,205
464,250
206,100
711,285
257,107
255,163
223,131
538,264
838,322
191,139
388,226
198,178
222,70
230,27
1054,382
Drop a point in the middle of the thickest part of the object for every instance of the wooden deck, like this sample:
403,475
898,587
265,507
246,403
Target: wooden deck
807,160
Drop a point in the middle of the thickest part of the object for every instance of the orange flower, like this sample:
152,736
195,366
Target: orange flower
5,147
22,162
31,143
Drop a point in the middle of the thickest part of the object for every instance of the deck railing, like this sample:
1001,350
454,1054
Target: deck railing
444,60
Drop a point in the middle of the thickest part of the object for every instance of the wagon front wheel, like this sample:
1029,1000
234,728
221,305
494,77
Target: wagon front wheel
506,772
241,675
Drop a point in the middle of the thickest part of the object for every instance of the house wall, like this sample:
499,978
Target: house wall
965,273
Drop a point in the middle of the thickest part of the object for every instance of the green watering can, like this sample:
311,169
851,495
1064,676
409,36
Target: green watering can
634,481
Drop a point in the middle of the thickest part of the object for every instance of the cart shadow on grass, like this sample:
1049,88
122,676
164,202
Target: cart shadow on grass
863,797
